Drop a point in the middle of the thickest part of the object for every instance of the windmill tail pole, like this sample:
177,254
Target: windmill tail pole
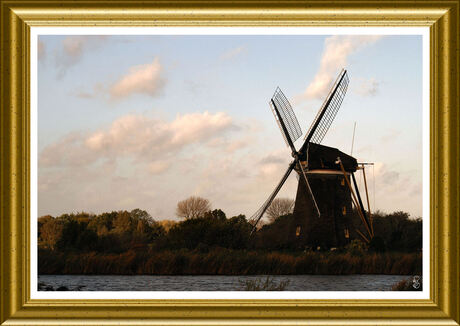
368,205
363,236
361,205
355,201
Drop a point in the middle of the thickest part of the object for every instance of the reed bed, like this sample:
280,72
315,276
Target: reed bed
222,261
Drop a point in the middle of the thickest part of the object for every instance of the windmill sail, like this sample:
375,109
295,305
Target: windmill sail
285,117
255,218
328,110
291,131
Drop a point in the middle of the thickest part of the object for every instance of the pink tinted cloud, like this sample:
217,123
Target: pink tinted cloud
74,48
143,138
337,49
144,79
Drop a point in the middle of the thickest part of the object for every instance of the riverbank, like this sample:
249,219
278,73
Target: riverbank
222,261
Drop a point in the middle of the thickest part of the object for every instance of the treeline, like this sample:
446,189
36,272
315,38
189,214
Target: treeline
134,243
398,231
118,232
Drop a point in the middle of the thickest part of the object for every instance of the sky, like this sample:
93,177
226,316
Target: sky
145,121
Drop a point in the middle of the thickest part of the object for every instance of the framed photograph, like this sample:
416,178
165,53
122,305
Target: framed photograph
229,163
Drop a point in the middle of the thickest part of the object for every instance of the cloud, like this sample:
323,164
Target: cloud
158,167
367,87
214,181
229,143
99,89
274,158
235,145
198,126
69,151
139,160
92,188
390,135
273,163
138,136
230,146
73,49
395,188
387,176
41,51
84,94
233,53
74,45
337,49
144,79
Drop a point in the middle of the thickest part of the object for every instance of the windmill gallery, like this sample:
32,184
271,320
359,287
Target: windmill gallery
325,195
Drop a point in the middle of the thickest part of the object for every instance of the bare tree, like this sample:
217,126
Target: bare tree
280,207
192,207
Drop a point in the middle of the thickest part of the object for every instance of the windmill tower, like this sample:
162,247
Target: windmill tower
323,206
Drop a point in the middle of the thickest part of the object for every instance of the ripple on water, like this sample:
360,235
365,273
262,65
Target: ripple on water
220,282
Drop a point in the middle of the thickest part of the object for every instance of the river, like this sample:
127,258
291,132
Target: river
219,282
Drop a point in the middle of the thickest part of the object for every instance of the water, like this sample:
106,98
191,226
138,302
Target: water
220,283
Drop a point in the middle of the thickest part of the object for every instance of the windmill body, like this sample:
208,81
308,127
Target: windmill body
323,205
333,197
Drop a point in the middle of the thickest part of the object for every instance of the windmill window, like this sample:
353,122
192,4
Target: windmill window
342,182
347,234
344,210
297,231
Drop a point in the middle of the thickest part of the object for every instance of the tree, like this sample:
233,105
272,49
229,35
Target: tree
76,236
192,207
102,224
209,231
123,223
138,214
50,232
280,207
167,224
217,214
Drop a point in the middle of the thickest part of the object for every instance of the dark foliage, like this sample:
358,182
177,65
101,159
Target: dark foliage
134,243
214,229
274,236
394,231
76,236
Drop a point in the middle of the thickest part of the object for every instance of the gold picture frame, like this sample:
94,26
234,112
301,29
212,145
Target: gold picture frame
442,18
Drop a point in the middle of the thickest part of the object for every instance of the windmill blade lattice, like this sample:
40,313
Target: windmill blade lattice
280,103
255,218
328,110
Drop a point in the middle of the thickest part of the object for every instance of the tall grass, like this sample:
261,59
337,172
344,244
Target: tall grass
221,261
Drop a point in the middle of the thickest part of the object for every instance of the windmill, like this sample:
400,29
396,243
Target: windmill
323,205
